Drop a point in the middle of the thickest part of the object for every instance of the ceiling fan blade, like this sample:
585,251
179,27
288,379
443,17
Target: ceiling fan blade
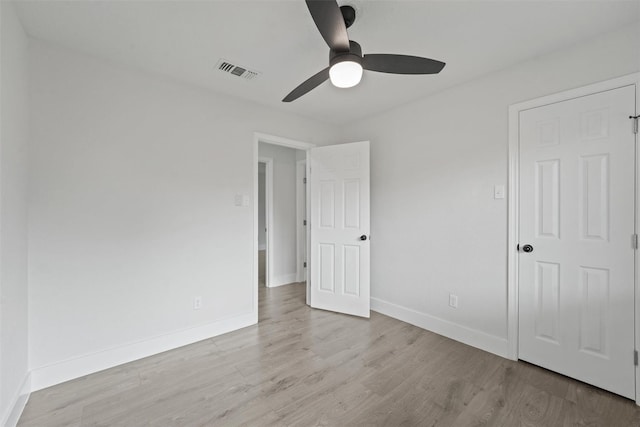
328,18
308,85
401,64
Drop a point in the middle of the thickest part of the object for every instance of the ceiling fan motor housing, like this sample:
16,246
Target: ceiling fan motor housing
354,54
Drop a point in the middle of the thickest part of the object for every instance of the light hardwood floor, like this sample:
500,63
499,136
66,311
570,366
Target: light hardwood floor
308,367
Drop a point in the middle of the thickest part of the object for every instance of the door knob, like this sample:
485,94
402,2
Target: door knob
363,237
527,248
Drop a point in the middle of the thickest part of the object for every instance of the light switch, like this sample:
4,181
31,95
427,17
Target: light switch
498,192
241,200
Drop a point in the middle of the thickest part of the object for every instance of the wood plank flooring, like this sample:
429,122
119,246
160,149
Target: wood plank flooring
305,367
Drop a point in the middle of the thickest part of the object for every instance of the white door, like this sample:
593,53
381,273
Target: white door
339,198
576,286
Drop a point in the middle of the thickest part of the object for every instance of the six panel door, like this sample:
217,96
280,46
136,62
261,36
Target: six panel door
576,288
339,191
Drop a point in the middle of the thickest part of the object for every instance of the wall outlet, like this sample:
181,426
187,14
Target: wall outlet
498,192
197,303
453,300
241,200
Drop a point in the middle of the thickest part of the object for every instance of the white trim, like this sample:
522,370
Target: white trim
262,247
268,202
284,142
513,202
285,279
18,403
301,167
637,258
513,195
276,140
628,80
464,334
56,373
308,231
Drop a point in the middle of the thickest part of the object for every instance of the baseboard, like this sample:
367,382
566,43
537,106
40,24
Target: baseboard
60,372
464,334
285,279
301,274
18,403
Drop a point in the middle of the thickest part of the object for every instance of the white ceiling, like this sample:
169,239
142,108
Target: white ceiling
185,40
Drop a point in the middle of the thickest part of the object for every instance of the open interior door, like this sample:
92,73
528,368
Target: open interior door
339,205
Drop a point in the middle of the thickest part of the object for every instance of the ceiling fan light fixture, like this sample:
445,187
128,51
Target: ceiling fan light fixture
345,74
346,62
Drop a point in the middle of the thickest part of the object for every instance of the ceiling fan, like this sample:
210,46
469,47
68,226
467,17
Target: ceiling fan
346,62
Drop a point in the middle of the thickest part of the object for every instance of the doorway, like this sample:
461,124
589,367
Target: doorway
280,223
337,229
572,234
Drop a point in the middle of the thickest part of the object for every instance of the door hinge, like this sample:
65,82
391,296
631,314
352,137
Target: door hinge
304,180
634,241
304,222
635,357
635,123
304,264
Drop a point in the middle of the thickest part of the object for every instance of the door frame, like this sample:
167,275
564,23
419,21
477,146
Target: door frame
301,229
284,142
268,218
513,217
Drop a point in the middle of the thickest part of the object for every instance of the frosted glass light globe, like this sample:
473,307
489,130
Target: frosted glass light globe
345,74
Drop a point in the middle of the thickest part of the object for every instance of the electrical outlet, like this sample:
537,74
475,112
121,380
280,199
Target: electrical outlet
241,200
197,303
453,300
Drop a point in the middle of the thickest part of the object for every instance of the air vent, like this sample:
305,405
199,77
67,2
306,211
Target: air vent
236,70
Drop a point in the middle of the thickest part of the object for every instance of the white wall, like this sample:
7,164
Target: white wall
14,381
283,254
302,154
436,228
262,213
133,180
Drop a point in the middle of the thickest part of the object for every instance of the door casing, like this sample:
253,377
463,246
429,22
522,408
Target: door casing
513,217
301,217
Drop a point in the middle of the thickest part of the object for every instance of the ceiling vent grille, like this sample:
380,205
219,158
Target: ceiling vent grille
236,70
